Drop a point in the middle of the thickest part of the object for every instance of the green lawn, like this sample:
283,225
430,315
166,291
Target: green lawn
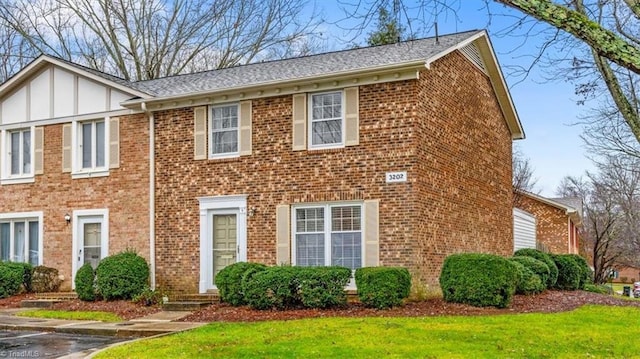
71,315
591,331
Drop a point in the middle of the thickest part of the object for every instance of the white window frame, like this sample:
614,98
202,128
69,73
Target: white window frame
76,153
327,228
25,217
6,177
311,120
210,131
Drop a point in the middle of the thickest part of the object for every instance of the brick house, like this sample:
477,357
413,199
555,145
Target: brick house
557,221
389,155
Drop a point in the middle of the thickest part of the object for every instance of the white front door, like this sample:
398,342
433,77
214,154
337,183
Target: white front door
90,238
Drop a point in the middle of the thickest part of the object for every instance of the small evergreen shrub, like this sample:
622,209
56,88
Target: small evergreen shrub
536,266
229,281
569,272
148,297
85,283
26,269
323,287
45,279
11,277
122,276
383,287
478,279
586,274
595,288
273,287
544,257
528,281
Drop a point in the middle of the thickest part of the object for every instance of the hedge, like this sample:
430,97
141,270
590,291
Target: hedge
586,274
383,287
11,277
536,266
478,279
569,272
122,276
528,281
274,287
544,257
229,281
323,287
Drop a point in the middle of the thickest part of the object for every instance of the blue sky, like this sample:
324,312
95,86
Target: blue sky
547,110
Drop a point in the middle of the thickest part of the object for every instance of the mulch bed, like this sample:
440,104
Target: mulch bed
546,302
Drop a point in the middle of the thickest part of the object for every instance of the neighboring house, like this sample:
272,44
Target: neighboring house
395,155
625,274
556,221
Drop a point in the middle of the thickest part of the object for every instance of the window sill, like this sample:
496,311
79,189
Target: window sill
225,156
91,174
17,180
337,146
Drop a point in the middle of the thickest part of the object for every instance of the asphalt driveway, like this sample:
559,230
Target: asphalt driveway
32,344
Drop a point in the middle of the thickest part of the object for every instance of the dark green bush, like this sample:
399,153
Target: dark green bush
26,269
569,272
229,282
323,287
383,287
602,289
528,281
543,257
45,279
122,276
273,287
85,283
11,277
478,279
536,266
586,274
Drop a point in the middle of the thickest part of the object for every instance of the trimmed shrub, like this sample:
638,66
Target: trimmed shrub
478,279
45,279
543,257
383,287
598,288
122,276
528,281
569,272
26,269
10,279
274,287
229,281
85,283
323,287
536,266
586,274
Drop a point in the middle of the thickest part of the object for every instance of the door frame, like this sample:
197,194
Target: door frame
220,205
78,217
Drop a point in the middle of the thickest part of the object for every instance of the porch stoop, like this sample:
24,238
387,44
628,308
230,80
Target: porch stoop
47,300
190,302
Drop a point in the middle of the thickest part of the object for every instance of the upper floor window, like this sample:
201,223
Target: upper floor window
20,240
224,131
91,139
91,148
19,153
326,126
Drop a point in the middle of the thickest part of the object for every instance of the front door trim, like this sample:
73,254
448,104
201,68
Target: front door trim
76,236
214,205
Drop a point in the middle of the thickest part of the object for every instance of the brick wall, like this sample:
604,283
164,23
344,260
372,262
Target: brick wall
125,193
551,224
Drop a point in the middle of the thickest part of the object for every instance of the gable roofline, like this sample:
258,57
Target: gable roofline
43,61
570,211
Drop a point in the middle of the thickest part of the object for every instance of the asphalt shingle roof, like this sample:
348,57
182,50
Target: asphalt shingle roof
301,67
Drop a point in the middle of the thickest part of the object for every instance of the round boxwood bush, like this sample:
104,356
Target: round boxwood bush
480,280
85,283
122,276
536,266
26,270
569,272
586,274
10,279
544,257
229,281
273,287
528,281
383,287
323,287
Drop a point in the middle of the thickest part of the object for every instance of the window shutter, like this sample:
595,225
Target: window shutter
200,133
245,128
114,142
38,146
371,233
299,122
351,118
283,239
66,147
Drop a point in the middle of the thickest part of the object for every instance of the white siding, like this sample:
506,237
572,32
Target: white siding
14,108
64,94
40,96
92,97
524,230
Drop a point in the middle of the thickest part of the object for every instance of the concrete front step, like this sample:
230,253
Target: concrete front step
57,295
39,303
184,306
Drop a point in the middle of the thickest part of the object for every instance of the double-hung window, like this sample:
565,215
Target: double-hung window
329,234
91,139
326,126
20,153
223,141
20,240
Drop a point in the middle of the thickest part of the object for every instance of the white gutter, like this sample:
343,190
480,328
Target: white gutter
152,197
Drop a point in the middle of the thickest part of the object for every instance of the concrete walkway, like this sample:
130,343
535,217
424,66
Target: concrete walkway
154,324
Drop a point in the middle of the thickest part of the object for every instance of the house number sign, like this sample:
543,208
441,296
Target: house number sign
393,177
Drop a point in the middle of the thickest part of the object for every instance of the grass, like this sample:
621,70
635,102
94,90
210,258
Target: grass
590,331
71,315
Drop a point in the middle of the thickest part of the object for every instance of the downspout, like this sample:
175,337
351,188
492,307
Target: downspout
152,196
